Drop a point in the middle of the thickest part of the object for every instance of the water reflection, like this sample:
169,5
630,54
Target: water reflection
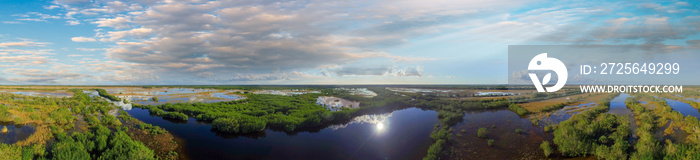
379,120
684,108
380,127
15,132
407,137
120,104
335,103
618,106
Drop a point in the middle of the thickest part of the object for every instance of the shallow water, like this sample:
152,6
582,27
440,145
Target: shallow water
564,114
678,135
402,134
507,143
15,132
120,104
684,108
618,106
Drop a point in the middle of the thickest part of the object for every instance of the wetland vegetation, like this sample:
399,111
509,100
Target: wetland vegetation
518,125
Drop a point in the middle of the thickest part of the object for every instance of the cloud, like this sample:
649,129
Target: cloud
50,7
136,33
35,16
652,24
43,76
116,23
31,19
82,39
24,59
272,77
23,44
11,22
651,29
26,51
693,43
376,71
89,49
180,39
73,22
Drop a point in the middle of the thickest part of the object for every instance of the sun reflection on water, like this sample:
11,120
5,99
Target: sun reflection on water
379,127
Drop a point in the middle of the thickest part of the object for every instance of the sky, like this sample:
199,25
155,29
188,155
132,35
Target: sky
199,42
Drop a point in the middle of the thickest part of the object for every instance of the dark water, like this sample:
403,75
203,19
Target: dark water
501,125
403,134
15,133
684,108
678,135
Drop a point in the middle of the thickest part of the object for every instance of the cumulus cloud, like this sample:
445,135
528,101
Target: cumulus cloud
116,23
73,22
136,33
212,38
83,39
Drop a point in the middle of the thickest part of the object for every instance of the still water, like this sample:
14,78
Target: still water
402,134
501,125
684,108
618,106
15,132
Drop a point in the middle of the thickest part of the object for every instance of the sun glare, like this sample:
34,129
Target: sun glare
380,126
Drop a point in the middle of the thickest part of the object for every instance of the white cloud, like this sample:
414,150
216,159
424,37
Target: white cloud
23,44
116,23
73,22
394,70
83,39
51,7
25,59
136,33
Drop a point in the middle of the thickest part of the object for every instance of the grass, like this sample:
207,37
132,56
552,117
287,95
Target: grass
482,132
519,110
546,148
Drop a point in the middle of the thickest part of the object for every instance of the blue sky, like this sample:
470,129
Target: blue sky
313,42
